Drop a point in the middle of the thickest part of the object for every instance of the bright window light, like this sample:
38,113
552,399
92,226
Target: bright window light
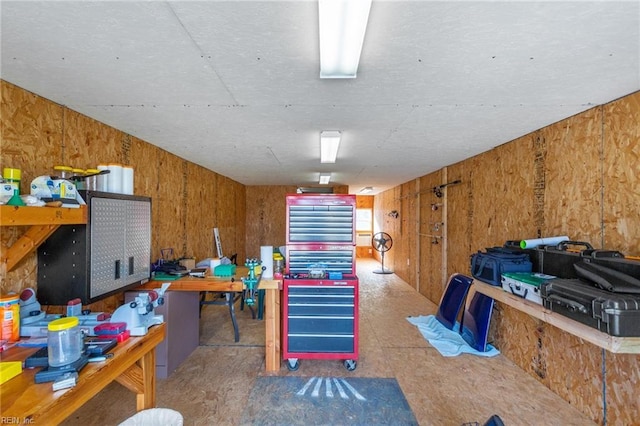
324,178
342,27
329,143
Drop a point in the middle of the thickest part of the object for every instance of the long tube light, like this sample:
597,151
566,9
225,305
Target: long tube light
324,178
329,143
342,27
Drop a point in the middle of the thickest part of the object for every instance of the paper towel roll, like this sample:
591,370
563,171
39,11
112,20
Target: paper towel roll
266,255
525,244
127,180
114,178
103,181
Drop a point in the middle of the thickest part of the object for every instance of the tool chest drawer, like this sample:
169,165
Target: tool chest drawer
323,325
321,303
321,344
320,223
320,219
332,258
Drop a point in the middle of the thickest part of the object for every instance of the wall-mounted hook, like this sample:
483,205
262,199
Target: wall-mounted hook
437,190
437,226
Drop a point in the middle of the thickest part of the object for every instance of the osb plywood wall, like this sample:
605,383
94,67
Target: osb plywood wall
578,177
188,201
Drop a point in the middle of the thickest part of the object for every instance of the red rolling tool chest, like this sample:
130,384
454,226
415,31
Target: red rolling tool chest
320,291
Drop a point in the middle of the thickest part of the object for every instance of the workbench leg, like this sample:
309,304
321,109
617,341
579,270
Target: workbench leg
232,311
147,399
272,331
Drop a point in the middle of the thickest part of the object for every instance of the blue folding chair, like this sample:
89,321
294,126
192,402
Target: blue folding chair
474,326
453,300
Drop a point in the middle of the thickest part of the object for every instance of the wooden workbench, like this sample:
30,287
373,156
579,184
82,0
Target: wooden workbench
133,366
234,284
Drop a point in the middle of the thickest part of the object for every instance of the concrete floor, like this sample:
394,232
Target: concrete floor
212,386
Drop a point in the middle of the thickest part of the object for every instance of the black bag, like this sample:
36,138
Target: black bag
490,266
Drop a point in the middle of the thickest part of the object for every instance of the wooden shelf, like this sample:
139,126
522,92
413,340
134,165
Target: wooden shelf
27,216
624,345
42,222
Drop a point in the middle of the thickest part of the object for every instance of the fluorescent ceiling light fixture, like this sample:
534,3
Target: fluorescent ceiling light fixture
366,190
329,143
324,178
342,27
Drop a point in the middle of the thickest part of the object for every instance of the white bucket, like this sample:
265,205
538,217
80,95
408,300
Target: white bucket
154,417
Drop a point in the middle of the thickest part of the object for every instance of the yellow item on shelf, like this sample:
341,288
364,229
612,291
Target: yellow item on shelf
9,370
10,317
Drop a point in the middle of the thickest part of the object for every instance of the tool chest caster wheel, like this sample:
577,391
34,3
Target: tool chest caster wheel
350,364
293,364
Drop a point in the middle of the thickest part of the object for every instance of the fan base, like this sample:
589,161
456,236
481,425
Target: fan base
382,271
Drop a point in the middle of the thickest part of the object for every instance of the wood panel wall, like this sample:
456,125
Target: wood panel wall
188,201
578,177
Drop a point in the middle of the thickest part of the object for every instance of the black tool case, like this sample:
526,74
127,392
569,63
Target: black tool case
559,260
616,314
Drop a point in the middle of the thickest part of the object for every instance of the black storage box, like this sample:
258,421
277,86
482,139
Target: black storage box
559,260
613,313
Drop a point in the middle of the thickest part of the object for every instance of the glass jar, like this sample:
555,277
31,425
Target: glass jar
278,263
64,341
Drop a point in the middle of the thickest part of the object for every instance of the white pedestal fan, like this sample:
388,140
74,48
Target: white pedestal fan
382,242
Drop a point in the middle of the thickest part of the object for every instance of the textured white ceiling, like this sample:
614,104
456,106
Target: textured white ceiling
234,85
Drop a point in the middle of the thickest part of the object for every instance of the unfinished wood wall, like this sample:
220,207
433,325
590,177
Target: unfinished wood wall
188,201
578,177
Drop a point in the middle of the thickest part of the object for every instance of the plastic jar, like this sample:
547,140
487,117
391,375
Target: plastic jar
79,179
63,172
12,177
10,317
92,179
64,341
278,263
